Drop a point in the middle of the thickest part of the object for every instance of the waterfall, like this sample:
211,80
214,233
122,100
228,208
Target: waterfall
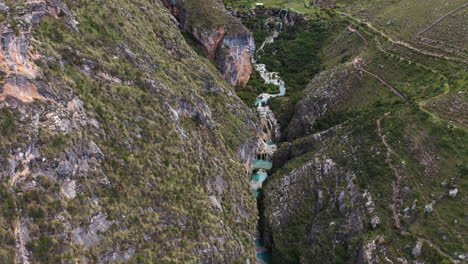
283,13
268,132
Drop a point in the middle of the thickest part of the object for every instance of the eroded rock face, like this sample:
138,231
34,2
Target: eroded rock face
18,71
90,235
58,154
233,58
326,91
16,56
315,192
228,42
417,249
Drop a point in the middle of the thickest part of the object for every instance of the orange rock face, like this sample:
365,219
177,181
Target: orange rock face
229,43
211,41
234,60
17,68
244,69
15,58
22,89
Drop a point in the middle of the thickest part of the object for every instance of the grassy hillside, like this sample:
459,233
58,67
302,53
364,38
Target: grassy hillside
391,118
441,28
162,180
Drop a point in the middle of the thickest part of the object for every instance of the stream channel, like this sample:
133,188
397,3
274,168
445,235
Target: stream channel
268,133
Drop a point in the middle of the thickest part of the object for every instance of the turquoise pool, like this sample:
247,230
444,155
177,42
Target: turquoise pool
261,176
262,164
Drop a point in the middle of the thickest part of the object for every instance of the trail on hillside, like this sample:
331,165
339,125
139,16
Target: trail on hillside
440,19
402,43
438,249
422,103
396,191
353,30
396,182
359,66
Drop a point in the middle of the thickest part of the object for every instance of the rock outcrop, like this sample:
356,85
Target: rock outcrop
313,194
359,173
326,92
221,35
16,56
118,143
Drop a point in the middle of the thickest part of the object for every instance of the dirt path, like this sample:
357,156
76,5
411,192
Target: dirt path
393,89
438,249
396,191
399,42
421,104
396,182
440,19
358,64
353,30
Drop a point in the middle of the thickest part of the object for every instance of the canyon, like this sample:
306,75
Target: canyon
209,131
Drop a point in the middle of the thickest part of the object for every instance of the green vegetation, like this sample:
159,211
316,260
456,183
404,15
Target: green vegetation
403,19
302,6
426,129
295,55
254,87
7,121
170,134
158,168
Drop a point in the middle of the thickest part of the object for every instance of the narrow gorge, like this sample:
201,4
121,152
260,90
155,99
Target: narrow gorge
328,189
233,131
268,133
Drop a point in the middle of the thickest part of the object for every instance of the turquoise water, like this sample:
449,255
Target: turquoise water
282,92
259,102
262,164
255,193
258,243
261,176
265,256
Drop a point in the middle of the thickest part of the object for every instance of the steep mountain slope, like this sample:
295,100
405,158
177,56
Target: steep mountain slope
435,25
373,163
118,142
121,142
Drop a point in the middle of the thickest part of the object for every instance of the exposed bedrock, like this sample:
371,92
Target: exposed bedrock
225,40
96,186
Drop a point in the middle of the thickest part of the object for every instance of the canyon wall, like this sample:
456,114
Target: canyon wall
222,36
118,142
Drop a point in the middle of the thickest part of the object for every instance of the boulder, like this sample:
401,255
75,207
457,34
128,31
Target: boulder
453,192
65,169
417,249
428,208
375,221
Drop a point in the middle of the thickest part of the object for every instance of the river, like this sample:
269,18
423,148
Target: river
268,134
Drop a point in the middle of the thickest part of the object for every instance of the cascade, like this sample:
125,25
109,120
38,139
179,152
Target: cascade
283,13
268,133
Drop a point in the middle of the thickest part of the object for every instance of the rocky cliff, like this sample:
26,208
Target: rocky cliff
222,36
370,171
118,143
